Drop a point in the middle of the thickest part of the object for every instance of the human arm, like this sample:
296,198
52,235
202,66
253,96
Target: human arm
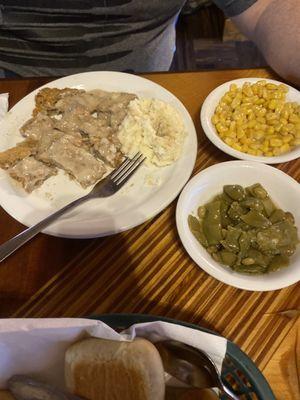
274,25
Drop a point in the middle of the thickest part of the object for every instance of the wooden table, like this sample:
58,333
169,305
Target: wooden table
146,270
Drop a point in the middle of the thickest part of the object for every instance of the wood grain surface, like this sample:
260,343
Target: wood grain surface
146,270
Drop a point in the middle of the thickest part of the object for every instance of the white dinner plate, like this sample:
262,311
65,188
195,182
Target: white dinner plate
208,109
283,190
145,195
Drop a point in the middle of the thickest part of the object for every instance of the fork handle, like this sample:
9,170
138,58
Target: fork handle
17,241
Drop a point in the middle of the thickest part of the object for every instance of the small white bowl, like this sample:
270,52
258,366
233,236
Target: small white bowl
283,190
208,109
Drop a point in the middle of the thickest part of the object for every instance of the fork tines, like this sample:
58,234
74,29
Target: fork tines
127,169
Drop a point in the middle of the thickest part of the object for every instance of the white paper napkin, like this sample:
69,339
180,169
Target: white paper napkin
37,346
3,104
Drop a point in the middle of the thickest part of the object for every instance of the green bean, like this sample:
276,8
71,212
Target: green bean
277,215
257,191
277,262
235,211
216,256
244,243
250,269
256,219
235,192
289,217
197,230
269,206
231,241
252,203
201,212
227,257
211,224
258,257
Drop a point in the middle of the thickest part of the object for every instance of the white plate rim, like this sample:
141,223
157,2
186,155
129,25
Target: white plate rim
206,263
93,232
218,142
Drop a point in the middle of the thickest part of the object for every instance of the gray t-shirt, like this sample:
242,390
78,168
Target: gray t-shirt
56,37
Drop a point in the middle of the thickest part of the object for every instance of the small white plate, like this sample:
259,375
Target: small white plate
208,109
148,192
283,189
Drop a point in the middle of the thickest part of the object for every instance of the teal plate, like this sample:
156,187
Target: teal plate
238,371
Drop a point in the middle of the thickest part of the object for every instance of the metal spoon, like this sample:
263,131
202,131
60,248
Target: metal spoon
191,366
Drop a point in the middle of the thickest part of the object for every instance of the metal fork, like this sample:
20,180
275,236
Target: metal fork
105,188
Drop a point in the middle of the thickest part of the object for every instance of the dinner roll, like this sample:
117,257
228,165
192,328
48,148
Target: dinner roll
99,369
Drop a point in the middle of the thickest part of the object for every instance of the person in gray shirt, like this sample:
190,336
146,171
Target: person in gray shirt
55,37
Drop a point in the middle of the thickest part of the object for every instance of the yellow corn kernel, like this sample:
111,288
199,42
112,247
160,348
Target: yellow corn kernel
279,108
278,127
240,133
239,122
252,152
284,148
232,126
261,82
229,141
245,148
273,122
251,124
295,142
275,142
265,148
235,102
215,119
265,93
259,102
270,130
231,134
270,116
284,130
221,128
237,147
287,138
251,116
258,135
269,153
293,118
248,91
262,112
277,95
264,127
283,88
261,120
257,127
266,142
259,152
271,86
272,105
285,114
233,87
283,121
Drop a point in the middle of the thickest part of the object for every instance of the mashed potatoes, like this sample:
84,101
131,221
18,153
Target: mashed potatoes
154,128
